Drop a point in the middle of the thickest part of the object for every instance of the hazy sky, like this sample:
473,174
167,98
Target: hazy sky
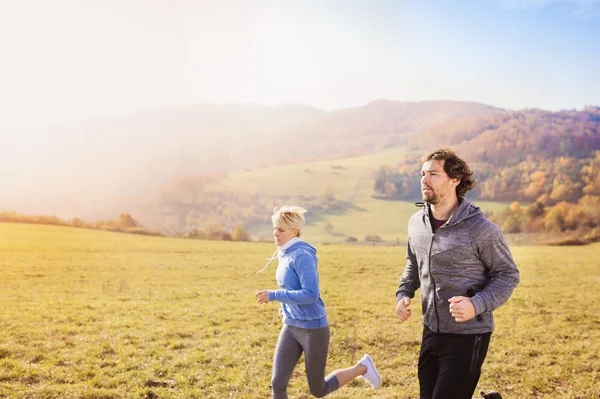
69,60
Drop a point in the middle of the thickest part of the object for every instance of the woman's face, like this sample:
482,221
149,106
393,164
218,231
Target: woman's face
283,235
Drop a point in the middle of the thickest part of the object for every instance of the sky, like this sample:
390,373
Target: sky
69,60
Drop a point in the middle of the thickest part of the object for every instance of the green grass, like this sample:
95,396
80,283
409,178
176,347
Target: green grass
91,314
352,180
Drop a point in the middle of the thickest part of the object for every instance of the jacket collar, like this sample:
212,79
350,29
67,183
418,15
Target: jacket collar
288,244
465,210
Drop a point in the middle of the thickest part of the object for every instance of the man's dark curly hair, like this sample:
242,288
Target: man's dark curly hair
454,167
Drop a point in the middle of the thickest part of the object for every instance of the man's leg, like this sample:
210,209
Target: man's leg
460,360
428,364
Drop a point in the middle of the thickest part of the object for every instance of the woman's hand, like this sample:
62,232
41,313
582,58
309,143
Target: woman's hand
262,296
281,313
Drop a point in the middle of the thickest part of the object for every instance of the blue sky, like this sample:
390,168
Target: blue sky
70,60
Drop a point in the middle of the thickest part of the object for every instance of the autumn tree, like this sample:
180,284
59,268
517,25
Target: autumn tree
127,221
240,234
327,193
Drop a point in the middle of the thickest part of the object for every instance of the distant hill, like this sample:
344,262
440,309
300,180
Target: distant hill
93,169
221,166
509,137
519,155
379,125
89,168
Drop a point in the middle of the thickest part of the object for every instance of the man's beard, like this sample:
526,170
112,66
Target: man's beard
430,197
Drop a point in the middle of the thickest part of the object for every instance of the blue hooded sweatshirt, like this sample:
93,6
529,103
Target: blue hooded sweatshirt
299,281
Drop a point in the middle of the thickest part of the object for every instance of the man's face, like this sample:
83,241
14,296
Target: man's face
436,185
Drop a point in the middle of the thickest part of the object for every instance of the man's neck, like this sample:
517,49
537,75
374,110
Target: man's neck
444,210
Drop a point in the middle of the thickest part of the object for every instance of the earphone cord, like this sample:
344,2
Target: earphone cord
273,257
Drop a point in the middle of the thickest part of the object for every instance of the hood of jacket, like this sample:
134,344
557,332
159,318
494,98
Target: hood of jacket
301,246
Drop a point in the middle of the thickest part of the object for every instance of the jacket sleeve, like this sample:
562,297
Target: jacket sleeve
409,282
305,268
493,251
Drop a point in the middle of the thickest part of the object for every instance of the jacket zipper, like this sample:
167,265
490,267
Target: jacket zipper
435,307
437,316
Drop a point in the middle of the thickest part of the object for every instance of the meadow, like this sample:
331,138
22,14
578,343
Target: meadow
351,180
99,315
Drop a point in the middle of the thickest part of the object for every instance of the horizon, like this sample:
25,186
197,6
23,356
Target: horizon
275,106
63,65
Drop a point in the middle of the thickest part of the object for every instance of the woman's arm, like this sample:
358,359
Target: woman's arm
305,268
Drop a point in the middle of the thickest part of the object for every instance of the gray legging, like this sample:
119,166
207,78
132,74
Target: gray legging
315,344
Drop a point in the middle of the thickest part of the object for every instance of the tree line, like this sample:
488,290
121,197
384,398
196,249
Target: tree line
575,223
125,223
190,207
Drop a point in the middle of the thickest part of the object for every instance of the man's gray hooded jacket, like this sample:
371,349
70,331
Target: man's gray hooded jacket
467,256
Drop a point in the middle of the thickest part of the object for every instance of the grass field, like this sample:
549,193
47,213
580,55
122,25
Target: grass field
352,180
98,315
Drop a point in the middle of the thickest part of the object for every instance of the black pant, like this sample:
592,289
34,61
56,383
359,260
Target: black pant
450,364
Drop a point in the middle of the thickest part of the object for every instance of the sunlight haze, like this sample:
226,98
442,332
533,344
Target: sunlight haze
72,60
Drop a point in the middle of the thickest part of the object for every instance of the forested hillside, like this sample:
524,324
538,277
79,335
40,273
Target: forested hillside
551,159
163,166
515,156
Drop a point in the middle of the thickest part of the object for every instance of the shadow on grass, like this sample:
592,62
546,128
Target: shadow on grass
342,208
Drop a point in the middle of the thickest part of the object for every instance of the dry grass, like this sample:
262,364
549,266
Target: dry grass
89,314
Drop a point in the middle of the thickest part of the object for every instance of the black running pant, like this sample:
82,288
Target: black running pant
450,364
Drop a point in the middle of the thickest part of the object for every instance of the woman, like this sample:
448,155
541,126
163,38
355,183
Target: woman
305,326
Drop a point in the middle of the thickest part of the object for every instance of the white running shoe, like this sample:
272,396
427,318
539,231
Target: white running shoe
372,375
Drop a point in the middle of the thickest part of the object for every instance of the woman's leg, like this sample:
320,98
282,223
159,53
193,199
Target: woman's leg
365,369
348,374
287,354
315,343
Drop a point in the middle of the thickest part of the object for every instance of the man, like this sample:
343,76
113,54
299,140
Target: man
465,270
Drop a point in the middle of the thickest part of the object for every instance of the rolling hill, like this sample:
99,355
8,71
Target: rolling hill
182,168
517,155
98,168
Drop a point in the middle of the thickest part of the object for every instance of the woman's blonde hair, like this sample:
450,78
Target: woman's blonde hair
289,217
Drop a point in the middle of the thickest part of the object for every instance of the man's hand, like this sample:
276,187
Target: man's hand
461,308
281,313
262,296
402,309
